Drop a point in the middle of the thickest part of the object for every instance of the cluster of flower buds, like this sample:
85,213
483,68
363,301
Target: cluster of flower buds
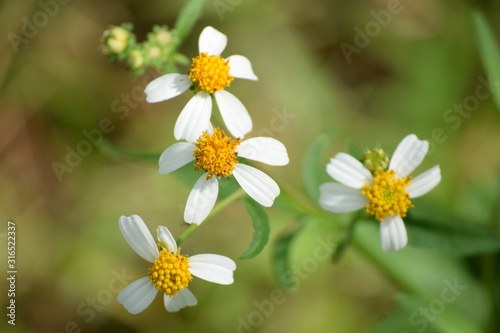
119,44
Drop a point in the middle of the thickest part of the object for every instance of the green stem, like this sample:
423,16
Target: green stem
186,233
223,203
352,225
110,149
343,245
299,206
189,14
226,201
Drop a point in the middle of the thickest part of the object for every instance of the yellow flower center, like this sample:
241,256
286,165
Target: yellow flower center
216,153
210,73
387,195
170,273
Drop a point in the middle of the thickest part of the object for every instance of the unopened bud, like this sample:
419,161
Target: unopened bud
115,40
163,37
375,159
153,52
136,59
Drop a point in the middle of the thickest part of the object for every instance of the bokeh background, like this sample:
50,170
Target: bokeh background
71,258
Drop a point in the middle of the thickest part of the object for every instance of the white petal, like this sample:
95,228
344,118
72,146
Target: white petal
181,300
176,156
349,171
339,198
139,238
213,268
240,66
201,200
166,238
424,182
408,155
257,184
166,87
214,259
138,295
212,41
194,118
393,233
234,114
265,150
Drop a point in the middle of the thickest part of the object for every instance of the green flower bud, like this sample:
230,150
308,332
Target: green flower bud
375,159
153,52
136,60
163,37
115,40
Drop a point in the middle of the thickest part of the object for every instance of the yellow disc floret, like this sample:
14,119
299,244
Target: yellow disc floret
216,153
387,195
170,273
210,72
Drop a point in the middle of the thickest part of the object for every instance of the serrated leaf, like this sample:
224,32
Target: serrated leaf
313,168
280,257
261,227
489,52
458,239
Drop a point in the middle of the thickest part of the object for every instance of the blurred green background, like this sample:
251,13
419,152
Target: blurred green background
403,78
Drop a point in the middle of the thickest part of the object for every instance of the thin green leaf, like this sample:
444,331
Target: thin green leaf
280,257
489,52
108,148
451,320
457,238
313,167
186,20
261,227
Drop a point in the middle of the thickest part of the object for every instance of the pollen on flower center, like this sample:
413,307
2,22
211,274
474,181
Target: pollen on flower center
170,273
210,72
387,195
216,153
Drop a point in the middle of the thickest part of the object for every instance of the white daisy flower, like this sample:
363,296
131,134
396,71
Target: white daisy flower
209,74
217,154
171,272
386,194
